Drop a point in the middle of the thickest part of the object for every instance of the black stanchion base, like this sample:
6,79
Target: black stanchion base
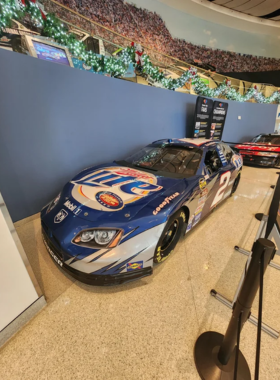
206,359
259,216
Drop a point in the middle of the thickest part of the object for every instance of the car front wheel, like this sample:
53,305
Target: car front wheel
170,236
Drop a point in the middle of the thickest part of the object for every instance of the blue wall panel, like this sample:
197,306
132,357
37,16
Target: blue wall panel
56,121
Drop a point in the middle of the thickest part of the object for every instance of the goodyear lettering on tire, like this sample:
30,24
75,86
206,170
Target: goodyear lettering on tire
183,216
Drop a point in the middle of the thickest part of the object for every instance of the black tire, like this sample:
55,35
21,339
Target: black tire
235,184
170,236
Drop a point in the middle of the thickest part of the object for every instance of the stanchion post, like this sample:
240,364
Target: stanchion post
214,353
246,296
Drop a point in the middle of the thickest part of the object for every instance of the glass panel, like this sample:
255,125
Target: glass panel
167,159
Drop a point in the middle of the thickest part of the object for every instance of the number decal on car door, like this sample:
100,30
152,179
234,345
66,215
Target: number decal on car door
224,180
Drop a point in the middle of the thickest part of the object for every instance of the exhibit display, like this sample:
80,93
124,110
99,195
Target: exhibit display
202,117
209,118
263,150
219,115
112,222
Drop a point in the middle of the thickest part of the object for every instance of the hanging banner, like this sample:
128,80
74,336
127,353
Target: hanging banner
203,113
218,120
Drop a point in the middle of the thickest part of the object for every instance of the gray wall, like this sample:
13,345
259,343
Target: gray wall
56,121
255,119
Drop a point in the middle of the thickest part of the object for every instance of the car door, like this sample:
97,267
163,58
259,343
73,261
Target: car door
205,180
213,169
226,175
215,182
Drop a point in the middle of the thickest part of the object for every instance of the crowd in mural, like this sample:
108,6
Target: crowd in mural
149,29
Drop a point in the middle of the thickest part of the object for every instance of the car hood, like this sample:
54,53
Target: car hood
111,192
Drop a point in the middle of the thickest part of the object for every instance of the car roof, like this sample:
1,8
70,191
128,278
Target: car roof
187,142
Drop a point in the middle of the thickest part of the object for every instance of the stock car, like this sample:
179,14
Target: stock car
111,223
262,150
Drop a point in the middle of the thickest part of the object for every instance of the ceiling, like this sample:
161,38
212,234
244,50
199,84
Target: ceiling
266,9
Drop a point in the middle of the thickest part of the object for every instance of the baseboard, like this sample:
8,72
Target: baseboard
21,320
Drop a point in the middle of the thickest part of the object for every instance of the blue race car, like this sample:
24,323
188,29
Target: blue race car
112,222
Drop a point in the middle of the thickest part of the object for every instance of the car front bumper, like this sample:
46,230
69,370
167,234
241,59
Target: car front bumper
93,279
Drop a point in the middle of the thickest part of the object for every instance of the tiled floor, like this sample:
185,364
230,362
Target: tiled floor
147,329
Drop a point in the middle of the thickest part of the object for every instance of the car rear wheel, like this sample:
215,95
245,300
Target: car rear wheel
170,236
235,184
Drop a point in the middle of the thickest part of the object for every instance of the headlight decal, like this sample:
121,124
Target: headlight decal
98,237
104,237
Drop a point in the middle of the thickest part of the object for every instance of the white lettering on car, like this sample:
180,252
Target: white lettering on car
165,202
70,205
224,180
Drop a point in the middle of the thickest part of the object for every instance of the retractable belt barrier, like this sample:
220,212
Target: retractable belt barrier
217,356
269,228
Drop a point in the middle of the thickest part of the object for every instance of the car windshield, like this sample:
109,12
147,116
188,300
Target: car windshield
167,159
273,140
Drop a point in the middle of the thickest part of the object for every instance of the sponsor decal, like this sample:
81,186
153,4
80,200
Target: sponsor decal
206,176
60,216
56,259
109,200
196,219
110,188
133,266
199,210
165,202
221,155
77,211
237,161
204,193
205,101
70,205
202,183
189,226
201,201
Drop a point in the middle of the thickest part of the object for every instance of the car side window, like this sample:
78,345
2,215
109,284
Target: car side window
212,161
227,152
